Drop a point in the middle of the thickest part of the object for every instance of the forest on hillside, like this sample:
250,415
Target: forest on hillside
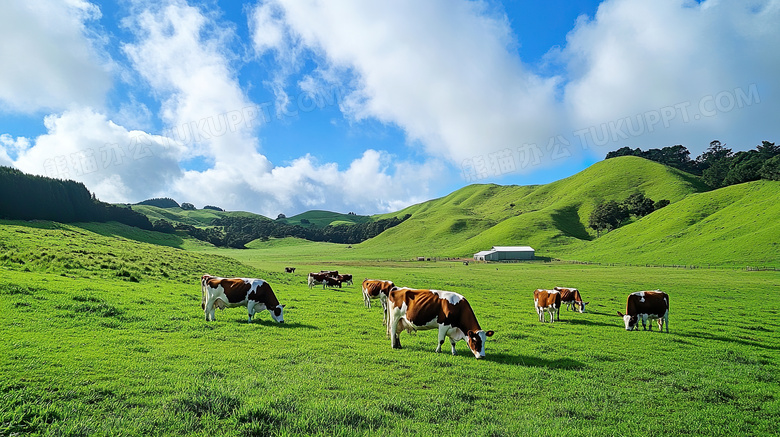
718,166
29,197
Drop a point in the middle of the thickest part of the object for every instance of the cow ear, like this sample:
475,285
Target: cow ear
489,333
284,306
620,314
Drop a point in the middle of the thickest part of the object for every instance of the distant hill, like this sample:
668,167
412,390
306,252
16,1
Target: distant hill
321,219
735,225
160,202
547,217
196,217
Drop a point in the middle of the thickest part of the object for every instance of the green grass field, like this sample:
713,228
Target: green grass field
104,335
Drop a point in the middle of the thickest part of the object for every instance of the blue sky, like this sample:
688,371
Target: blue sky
281,106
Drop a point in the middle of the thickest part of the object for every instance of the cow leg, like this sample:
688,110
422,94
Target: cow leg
392,329
209,311
442,336
644,324
383,301
366,299
452,345
250,309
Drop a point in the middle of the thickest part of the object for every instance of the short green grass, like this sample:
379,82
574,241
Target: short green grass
319,218
736,225
548,217
90,352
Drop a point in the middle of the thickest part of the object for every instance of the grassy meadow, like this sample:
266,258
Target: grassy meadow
104,335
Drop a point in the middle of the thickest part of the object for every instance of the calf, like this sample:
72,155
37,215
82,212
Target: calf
255,294
549,301
644,305
571,298
450,313
375,289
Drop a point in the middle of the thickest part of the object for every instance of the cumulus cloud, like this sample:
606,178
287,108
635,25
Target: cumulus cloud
448,75
117,164
690,62
442,71
50,58
181,52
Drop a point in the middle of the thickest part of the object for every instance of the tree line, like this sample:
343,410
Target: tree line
611,214
237,231
30,197
718,166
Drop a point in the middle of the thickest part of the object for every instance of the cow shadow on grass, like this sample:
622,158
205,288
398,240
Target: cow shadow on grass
534,361
585,322
272,324
707,336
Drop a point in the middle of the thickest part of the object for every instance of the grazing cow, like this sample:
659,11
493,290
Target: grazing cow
450,313
289,269
331,281
549,301
375,289
345,279
644,305
254,294
572,299
316,278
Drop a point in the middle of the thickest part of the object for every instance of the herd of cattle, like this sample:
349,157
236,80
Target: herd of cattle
422,309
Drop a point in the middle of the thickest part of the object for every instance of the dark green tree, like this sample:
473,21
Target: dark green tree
607,216
771,169
638,205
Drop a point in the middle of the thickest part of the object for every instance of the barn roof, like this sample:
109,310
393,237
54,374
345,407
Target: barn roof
484,252
513,248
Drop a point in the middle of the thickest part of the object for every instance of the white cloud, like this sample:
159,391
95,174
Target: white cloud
117,164
447,73
182,53
635,56
50,59
443,71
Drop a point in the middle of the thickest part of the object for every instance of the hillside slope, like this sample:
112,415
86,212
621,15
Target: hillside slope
320,219
106,250
198,217
735,225
547,217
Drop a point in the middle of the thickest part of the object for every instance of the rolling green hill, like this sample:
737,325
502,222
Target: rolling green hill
107,251
198,217
735,225
547,217
321,219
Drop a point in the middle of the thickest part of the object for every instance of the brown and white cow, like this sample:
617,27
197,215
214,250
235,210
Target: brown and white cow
377,289
644,305
450,313
255,294
345,279
318,278
549,301
331,281
571,298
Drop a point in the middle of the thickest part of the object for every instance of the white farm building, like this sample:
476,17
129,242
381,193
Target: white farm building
503,253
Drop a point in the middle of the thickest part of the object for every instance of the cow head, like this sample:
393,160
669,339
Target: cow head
582,306
477,340
630,321
277,313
